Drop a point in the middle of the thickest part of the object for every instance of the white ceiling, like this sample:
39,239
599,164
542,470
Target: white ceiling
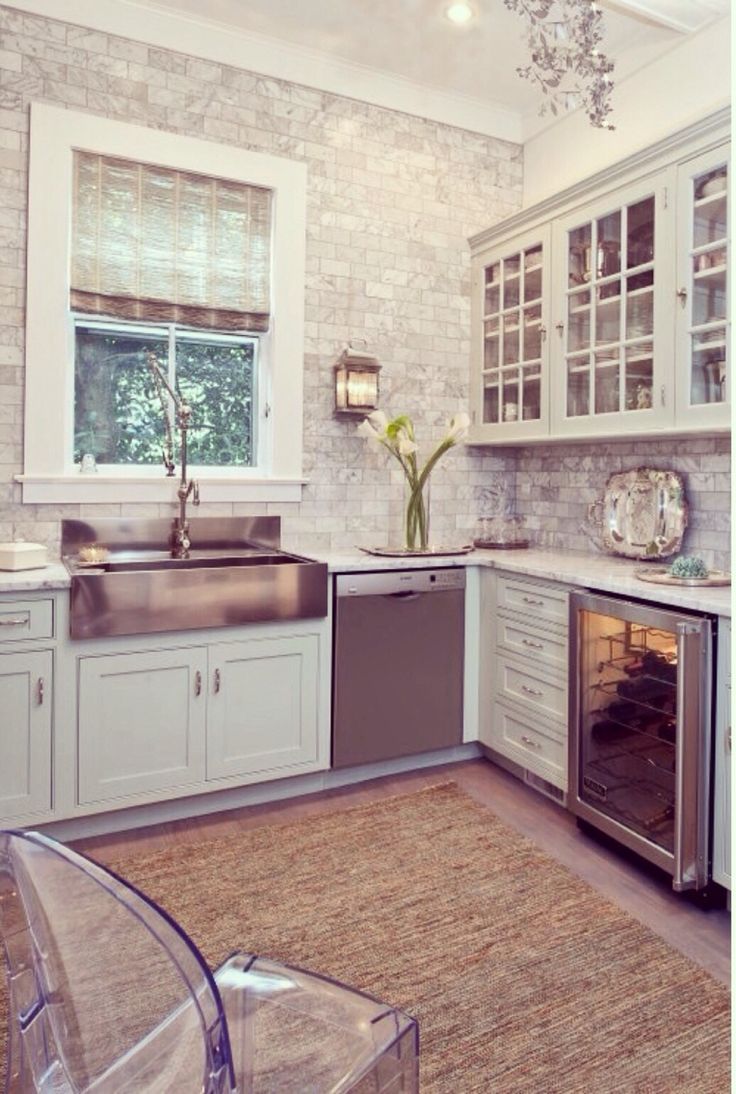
413,40
402,54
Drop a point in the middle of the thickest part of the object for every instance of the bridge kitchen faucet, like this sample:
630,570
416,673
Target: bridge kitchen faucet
180,542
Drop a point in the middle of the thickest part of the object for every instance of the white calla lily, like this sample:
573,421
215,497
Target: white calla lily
397,436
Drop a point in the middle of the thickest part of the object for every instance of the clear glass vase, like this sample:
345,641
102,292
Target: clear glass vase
416,518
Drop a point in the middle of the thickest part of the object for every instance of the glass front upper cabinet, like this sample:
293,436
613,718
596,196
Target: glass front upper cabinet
515,285
609,268
703,291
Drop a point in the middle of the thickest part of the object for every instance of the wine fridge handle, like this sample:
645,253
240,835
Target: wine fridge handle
692,788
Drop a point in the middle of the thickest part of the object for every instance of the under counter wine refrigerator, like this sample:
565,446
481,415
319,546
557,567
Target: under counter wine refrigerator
640,730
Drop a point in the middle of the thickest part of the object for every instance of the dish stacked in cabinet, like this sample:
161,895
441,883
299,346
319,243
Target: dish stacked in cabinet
529,658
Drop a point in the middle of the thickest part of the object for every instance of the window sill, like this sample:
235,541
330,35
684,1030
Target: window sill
107,489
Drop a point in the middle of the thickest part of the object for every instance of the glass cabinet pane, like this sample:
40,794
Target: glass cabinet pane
513,336
610,311
708,289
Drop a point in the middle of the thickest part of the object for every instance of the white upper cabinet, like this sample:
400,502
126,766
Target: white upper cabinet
604,311
511,305
612,314
703,327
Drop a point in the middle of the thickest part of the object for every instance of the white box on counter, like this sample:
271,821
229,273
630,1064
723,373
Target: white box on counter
22,556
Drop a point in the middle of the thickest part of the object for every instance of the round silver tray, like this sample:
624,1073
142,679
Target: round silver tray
662,577
403,552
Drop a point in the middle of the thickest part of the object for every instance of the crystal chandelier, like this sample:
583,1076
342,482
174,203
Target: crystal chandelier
563,39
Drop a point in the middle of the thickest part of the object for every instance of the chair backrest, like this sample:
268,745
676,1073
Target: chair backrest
106,992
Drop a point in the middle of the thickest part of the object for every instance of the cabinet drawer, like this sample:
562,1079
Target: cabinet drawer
23,619
547,648
525,685
522,740
539,601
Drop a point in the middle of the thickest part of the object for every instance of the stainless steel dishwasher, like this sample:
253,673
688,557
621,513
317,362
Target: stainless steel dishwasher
398,664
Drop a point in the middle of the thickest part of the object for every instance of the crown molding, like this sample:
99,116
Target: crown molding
153,25
707,132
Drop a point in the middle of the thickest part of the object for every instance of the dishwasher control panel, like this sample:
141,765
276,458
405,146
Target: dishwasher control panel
390,582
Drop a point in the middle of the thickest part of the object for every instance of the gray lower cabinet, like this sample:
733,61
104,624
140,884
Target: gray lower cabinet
722,765
141,722
262,706
524,674
26,692
158,721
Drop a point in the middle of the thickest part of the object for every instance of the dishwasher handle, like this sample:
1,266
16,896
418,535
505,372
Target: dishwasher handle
405,595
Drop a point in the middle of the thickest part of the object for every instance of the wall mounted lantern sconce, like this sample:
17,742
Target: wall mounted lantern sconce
356,382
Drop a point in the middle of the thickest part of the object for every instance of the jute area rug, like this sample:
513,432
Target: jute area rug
522,977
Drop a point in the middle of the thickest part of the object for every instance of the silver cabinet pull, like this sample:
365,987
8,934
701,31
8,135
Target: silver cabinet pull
529,741
198,683
534,601
40,688
532,645
682,296
559,327
728,739
217,681
15,621
531,691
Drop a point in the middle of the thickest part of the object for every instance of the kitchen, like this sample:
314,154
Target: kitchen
393,193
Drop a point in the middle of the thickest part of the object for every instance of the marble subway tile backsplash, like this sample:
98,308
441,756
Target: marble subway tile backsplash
555,484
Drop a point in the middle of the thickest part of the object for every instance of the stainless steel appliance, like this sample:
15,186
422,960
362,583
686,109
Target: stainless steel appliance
398,664
640,730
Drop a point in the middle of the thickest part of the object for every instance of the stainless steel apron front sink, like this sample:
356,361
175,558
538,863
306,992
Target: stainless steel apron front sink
235,574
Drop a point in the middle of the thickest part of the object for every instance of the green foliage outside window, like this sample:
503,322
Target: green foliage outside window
118,416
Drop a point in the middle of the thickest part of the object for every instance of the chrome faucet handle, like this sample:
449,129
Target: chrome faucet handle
195,492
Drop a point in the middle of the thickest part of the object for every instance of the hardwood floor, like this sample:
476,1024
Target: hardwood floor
703,936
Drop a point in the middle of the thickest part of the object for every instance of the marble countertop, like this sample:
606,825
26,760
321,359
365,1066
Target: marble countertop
53,576
576,568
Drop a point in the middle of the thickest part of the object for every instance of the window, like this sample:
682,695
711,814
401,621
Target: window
147,242
120,414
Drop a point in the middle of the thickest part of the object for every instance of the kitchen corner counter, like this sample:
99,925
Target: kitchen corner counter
587,571
53,576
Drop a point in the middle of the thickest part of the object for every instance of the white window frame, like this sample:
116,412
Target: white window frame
49,474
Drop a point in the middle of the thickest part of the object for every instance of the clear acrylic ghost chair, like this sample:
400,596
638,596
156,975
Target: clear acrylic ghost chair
107,994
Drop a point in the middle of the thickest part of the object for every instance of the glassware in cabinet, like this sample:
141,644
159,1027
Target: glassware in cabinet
607,330
703,340
513,380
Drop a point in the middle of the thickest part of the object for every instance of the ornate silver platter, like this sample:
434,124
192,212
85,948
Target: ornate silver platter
660,576
643,514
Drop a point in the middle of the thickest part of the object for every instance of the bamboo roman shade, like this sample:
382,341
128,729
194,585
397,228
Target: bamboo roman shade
154,244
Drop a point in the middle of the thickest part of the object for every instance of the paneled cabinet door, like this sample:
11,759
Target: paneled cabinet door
141,722
25,733
703,328
722,766
262,705
613,340
509,383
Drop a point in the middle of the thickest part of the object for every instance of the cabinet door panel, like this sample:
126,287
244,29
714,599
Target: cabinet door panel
613,347
509,384
722,788
262,706
25,733
703,320
141,722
